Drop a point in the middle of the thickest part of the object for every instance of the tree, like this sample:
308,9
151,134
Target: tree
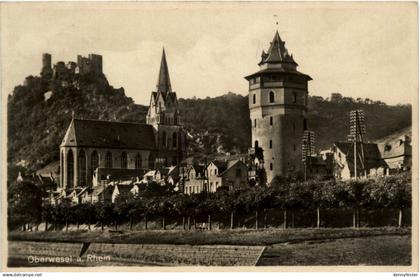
24,204
399,187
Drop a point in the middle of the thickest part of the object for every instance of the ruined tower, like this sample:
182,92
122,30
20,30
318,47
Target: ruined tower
46,70
278,102
163,115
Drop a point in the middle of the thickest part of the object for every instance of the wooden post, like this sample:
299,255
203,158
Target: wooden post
231,220
256,219
318,219
400,217
209,222
285,219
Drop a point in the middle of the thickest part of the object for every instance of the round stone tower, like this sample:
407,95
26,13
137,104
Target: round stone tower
278,96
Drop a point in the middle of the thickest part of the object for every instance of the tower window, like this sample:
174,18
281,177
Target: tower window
255,123
305,127
271,144
271,121
271,97
271,166
174,139
256,144
254,98
294,97
164,139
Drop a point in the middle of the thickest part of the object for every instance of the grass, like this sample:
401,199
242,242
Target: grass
392,250
223,237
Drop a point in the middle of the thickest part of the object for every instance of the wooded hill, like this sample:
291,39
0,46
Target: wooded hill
40,110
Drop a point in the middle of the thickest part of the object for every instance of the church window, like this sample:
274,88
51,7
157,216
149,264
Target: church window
294,97
138,163
271,96
254,98
271,144
174,139
123,160
164,139
271,121
108,160
82,168
151,161
271,166
70,169
94,162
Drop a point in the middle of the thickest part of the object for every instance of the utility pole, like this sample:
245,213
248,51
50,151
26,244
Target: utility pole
357,130
308,150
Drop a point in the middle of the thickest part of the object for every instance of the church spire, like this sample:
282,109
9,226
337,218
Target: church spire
278,52
164,83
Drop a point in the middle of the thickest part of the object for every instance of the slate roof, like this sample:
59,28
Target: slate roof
108,134
164,83
278,70
277,53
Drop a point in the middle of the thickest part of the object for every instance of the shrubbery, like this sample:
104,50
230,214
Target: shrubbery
291,197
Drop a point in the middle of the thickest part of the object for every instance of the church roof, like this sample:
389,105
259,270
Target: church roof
108,134
164,83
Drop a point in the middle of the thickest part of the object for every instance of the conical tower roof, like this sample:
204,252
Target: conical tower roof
164,83
277,53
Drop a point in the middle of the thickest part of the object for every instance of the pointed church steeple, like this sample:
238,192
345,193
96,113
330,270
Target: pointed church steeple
277,53
164,83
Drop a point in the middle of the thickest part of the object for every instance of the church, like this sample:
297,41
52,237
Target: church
122,147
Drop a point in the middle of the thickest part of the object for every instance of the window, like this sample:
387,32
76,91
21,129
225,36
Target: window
271,166
70,169
271,97
108,160
294,97
256,144
271,121
294,147
254,98
137,161
271,144
123,160
174,140
164,139
255,123
305,127
94,162
82,168
215,172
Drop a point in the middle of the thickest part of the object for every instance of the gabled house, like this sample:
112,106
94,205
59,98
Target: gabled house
226,174
371,165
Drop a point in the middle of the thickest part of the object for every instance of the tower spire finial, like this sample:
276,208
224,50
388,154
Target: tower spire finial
164,83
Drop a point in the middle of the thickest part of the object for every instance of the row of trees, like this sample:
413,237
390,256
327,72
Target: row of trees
289,196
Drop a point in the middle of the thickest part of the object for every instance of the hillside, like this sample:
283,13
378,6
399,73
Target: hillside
40,110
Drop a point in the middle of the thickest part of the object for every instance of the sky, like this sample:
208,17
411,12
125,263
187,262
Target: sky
366,50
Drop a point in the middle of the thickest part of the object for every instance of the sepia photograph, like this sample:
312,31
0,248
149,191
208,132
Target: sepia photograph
197,135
